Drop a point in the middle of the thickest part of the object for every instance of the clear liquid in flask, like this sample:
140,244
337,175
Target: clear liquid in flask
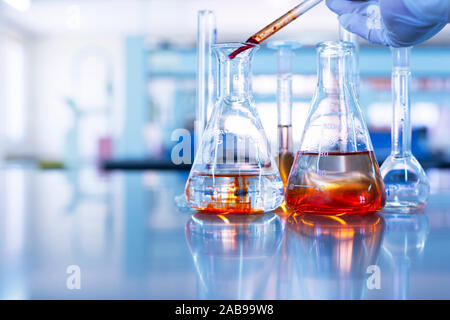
234,192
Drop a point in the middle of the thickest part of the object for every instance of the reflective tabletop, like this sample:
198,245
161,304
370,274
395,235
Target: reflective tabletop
121,235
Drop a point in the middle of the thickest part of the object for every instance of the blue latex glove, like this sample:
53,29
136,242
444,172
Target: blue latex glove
395,23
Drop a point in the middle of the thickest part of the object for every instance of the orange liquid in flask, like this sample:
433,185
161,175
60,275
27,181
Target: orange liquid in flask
225,192
333,183
285,157
285,160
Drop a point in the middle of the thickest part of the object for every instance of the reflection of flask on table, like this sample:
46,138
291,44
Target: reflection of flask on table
234,254
331,254
234,171
407,186
335,170
285,57
404,240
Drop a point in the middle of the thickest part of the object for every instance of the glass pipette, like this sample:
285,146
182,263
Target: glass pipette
276,25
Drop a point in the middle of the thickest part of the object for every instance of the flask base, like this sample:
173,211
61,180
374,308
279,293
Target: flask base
230,193
406,184
403,207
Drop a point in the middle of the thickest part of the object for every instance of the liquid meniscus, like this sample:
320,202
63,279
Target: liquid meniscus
334,183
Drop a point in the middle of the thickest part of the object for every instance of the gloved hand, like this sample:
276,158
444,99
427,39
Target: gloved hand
395,23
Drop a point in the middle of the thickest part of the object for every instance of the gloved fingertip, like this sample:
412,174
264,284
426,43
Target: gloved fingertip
346,19
332,5
378,36
355,23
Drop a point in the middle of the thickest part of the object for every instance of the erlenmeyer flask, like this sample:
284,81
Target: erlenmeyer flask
335,170
234,171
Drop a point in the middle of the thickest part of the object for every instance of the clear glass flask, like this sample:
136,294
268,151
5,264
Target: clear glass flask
407,186
285,57
234,171
335,170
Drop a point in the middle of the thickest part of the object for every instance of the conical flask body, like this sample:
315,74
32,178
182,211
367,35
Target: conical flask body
234,171
335,170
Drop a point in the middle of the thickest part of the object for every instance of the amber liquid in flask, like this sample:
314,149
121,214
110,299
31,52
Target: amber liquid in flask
234,170
335,171
285,58
238,192
285,157
336,182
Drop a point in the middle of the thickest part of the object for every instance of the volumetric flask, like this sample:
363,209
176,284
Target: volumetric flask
234,171
407,185
335,170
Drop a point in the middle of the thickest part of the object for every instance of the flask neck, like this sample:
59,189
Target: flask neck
335,73
401,122
234,78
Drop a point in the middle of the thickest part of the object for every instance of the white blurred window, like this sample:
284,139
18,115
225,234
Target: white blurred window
94,79
14,89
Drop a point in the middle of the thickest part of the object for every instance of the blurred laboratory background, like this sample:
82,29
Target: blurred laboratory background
88,81
90,85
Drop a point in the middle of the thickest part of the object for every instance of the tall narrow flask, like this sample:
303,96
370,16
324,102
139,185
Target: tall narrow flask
234,171
206,37
335,170
285,57
206,90
407,186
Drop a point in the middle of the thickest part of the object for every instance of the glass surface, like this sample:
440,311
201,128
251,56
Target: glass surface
335,170
331,254
234,255
404,241
234,171
407,186
124,232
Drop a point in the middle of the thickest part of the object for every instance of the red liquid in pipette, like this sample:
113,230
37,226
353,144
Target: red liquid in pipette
243,48
276,25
